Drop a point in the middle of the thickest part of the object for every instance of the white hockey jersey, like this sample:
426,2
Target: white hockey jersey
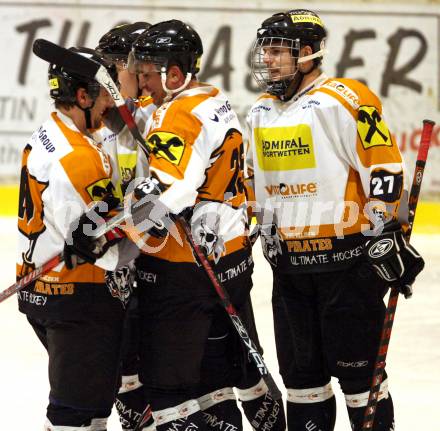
325,165
196,152
62,172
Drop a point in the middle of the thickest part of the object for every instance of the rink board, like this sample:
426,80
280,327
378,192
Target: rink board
427,221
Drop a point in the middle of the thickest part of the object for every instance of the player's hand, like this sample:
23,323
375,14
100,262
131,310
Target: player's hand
81,246
112,118
395,261
156,217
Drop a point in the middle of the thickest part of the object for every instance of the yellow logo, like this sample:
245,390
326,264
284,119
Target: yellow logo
372,129
306,18
53,84
100,188
284,148
166,145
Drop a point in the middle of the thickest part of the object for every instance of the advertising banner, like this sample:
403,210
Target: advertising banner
393,49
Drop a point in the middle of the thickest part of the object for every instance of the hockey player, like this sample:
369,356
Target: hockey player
75,316
332,196
115,46
196,166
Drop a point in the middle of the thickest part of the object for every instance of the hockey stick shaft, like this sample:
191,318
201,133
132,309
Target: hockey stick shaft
253,352
379,366
114,222
56,260
30,277
144,418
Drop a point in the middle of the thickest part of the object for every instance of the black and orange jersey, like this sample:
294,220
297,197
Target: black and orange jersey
325,168
196,152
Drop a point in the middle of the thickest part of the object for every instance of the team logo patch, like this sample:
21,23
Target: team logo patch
345,92
292,190
381,248
120,283
100,188
163,40
306,18
53,84
166,145
372,129
284,148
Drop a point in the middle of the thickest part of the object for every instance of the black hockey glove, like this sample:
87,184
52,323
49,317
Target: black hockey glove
155,217
80,244
395,261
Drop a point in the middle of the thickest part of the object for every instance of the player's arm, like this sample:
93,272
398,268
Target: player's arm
74,189
179,157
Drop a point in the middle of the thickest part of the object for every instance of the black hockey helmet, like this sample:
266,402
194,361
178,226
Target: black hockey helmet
169,43
64,82
301,24
116,44
294,29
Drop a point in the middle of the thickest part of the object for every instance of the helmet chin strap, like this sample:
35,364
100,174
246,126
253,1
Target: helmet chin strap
298,76
168,91
316,54
292,89
87,114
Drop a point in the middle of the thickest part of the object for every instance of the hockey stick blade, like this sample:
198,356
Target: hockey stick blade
53,53
91,69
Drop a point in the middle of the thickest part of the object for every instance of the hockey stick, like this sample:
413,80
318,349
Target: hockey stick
32,276
144,418
87,67
232,312
379,366
56,260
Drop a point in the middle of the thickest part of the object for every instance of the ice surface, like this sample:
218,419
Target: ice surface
413,357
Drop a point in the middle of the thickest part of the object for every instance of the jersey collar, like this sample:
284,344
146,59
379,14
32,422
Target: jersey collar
316,83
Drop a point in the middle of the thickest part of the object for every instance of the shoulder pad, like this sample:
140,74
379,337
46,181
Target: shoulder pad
341,88
353,92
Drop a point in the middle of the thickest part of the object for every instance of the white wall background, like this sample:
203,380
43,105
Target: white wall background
393,47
